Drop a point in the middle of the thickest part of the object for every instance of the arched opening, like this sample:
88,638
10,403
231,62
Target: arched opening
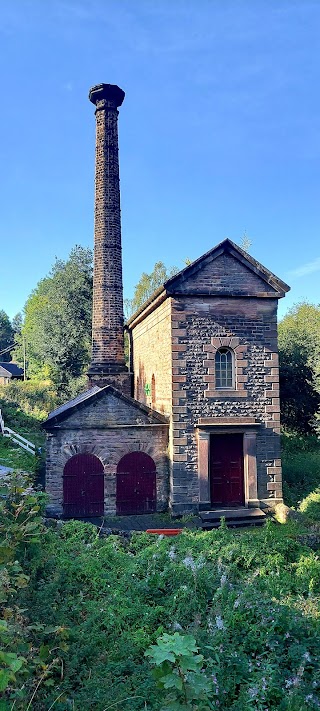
136,484
83,486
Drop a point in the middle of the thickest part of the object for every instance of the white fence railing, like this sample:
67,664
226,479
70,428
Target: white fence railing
16,438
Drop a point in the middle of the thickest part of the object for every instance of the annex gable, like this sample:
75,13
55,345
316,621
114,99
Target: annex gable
102,408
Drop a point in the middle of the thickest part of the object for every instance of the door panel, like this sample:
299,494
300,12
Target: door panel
136,484
226,470
83,486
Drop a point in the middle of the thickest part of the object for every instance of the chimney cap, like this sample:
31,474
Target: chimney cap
110,92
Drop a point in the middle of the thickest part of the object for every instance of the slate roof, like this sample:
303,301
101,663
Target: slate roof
12,368
95,393
224,247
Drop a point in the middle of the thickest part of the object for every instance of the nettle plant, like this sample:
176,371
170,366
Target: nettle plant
180,672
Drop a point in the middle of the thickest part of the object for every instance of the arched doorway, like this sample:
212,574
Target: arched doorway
136,484
83,486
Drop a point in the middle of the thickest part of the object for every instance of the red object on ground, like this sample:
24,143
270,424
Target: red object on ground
165,531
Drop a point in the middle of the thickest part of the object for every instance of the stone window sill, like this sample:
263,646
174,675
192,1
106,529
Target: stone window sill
225,394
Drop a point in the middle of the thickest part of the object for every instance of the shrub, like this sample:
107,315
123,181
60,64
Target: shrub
30,398
311,505
300,465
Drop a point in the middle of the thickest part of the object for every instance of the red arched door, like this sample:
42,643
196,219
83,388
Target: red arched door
83,486
136,484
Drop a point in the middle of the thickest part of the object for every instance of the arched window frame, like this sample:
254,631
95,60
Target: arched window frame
225,378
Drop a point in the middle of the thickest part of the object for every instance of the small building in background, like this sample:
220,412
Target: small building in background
9,372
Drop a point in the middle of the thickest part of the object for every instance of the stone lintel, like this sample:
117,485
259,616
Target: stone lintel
238,422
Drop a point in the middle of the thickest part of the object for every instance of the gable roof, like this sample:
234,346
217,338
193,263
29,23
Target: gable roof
229,247
12,369
92,395
188,280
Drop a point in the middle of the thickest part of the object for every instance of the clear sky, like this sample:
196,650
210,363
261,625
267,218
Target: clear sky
219,133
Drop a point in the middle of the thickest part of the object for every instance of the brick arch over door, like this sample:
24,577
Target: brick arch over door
136,484
83,486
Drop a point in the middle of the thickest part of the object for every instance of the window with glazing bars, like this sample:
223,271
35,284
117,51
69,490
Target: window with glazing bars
224,369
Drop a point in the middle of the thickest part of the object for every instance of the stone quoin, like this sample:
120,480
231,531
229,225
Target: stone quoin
196,426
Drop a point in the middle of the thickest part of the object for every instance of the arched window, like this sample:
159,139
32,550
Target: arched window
224,368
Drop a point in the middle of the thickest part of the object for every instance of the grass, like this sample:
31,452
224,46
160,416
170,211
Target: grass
15,457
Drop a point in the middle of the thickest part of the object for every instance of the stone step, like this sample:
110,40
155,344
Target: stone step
239,517
231,513
234,523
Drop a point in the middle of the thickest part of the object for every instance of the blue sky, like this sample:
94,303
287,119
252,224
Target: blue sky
219,133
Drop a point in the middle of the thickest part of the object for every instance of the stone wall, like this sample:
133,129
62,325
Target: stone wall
109,445
108,427
199,327
217,274
152,360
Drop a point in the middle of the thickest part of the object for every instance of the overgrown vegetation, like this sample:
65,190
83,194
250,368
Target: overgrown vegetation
300,465
234,617
299,357
24,405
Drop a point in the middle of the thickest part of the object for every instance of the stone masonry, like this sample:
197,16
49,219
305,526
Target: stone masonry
223,300
108,362
108,425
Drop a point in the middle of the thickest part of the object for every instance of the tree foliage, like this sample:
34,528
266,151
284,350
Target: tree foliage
147,285
57,324
6,336
299,351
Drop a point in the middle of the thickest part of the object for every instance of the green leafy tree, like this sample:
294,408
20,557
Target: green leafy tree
147,285
299,352
6,336
57,323
17,323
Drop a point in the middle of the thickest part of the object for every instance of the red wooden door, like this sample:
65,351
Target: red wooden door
83,486
226,470
136,484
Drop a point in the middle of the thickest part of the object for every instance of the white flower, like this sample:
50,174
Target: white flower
172,553
252,691
176,627
223,579
219,622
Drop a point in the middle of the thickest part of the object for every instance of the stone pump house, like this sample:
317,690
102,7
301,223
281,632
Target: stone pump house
194,423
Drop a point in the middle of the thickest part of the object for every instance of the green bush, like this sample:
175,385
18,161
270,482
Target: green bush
31,399
300,465
311,505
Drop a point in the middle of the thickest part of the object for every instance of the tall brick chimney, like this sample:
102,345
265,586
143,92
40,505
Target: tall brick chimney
107,361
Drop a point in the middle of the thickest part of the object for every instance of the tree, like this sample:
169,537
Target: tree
6,336
245,242
17,323
57,323
147,285
299,357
